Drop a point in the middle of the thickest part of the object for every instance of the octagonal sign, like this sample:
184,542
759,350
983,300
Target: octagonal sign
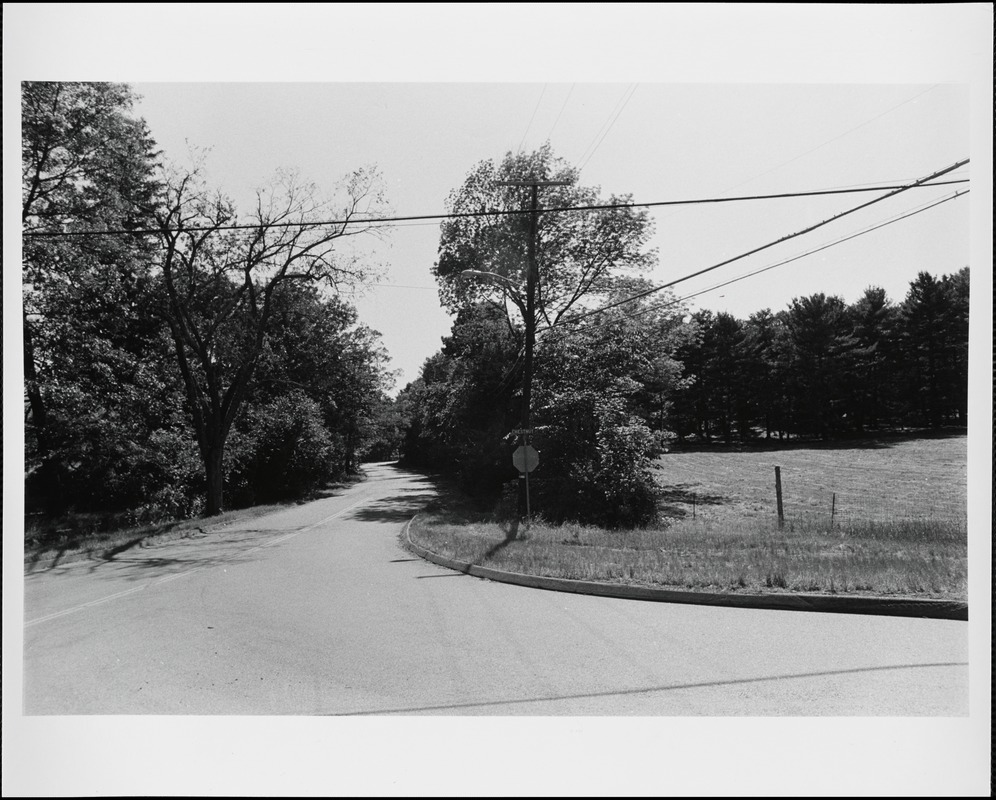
525,458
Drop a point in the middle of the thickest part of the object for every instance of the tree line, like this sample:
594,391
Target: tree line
194,357
825,369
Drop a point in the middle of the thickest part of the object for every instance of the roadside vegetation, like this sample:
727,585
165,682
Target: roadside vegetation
49,541
182,358
624,370
901,530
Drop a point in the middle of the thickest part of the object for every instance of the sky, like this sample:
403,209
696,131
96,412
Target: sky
653,141
660,101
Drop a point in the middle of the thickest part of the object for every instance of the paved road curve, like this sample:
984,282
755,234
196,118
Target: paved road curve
317,609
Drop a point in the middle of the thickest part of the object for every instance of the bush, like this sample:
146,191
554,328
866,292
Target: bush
595,463
281,451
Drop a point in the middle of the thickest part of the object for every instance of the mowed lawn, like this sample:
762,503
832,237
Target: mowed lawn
898,529
885,480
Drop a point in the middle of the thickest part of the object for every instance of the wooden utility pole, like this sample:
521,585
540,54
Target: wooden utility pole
532,277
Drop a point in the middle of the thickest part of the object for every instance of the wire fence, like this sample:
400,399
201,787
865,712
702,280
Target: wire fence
918,480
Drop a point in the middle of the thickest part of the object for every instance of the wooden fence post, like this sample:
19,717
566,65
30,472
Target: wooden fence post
778,495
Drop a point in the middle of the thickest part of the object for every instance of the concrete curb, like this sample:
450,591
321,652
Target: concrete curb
933,609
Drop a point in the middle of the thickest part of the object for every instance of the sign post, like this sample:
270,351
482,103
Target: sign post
525,458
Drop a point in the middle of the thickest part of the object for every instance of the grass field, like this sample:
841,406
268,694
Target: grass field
898,529
881,481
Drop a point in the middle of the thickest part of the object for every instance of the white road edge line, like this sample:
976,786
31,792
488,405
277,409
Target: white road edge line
168,578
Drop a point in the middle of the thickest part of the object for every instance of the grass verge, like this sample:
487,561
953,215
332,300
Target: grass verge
718,535
880,559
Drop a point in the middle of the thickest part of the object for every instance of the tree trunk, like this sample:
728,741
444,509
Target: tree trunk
48,471
350,451
214,469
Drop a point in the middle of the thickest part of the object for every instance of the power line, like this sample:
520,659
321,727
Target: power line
496,213
834,243
532,118
678,300
785,261
625,102
834,139
811,228
828,141
891,221
957,174
509,374
559,115
602,127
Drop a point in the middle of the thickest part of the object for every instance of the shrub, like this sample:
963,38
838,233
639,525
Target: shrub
280,451
596,460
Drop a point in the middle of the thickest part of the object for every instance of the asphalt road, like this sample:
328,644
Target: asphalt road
318,610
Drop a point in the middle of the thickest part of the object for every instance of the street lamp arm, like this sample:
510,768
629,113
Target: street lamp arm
512,289
479,273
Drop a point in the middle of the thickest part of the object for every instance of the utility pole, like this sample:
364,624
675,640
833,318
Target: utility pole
532,276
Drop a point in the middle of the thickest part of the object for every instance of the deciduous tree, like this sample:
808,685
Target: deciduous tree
220,283
582,256
87,165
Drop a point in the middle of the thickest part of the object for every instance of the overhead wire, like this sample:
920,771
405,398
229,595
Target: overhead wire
425,218
830,141
752,273
583,161
560,328
544,333
538,102
824,144
806,230
897,218
559,115
603,127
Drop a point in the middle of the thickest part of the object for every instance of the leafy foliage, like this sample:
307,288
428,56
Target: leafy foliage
581,256
600,391
281,451
140,357
461,409
90,349
220,285
600,388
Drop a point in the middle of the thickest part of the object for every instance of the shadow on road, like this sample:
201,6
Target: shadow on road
142,568
397,508
375,473
133,560
132,554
